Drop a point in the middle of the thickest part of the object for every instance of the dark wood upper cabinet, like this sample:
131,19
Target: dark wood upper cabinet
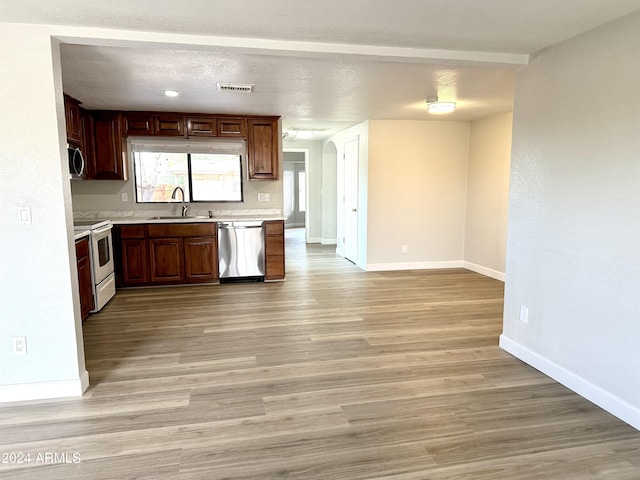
138,124
232,127
73,120
100,134
87,141
201,126
263,146
168,125
108,160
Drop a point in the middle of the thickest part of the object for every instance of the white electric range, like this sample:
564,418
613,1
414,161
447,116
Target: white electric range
101,248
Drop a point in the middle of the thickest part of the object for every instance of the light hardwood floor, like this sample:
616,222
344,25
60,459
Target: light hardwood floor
333,374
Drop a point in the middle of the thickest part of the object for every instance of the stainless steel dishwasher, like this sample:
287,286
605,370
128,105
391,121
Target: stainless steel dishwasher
241,251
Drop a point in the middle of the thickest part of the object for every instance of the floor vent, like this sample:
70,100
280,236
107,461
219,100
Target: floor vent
235,87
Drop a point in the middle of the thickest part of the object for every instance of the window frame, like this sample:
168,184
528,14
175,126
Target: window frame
177,145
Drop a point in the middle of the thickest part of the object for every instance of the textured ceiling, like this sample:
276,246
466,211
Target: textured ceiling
521,26
345,61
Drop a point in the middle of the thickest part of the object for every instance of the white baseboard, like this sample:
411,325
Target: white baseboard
474,267
329,241
381,267
44,390
313,240
604,399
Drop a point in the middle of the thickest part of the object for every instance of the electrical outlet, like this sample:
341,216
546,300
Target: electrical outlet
124,196
524,314
404,249
20,345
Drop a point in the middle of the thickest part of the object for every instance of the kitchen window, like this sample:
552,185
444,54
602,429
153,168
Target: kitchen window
206,171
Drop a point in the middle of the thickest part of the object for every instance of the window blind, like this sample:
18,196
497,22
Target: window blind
162,145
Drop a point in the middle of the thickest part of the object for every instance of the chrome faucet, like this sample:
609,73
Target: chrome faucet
185,205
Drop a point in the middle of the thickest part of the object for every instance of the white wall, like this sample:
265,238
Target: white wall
329,194
417,184
573,251
485,237
38,285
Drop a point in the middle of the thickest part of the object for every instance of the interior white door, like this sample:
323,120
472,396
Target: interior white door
351,200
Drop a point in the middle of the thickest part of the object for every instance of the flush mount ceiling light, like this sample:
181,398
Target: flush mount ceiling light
171,93
301,133
435,106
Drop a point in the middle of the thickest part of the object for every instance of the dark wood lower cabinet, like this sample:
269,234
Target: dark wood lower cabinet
135,268
166,260
183,253
201,259
274,250
85,283
166,254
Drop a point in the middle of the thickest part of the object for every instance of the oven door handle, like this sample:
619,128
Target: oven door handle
101,230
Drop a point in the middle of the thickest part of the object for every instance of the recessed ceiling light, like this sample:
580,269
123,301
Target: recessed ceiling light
171,93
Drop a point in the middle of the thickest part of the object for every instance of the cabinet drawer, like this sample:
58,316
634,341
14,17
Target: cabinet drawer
132,231
274,267
159,230
274,227
274,246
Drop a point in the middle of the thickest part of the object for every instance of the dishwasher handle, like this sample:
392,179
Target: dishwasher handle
236,226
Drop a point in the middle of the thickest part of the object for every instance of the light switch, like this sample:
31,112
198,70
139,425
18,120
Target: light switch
264,197
124,196
25,215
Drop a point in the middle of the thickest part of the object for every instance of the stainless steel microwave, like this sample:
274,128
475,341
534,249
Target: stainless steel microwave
76,162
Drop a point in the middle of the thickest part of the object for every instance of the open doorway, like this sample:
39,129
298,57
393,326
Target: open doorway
295,188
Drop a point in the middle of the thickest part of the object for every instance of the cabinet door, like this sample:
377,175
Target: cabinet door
274,250
201,127
73,121
87,141
167,260
85,283
168,125
264,145
201,259
108,162
135,266
138,124
232,127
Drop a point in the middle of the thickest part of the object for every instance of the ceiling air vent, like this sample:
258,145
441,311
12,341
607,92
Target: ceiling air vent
235,87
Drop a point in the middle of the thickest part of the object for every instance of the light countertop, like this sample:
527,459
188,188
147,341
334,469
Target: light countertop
77,235
197,219
171,216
